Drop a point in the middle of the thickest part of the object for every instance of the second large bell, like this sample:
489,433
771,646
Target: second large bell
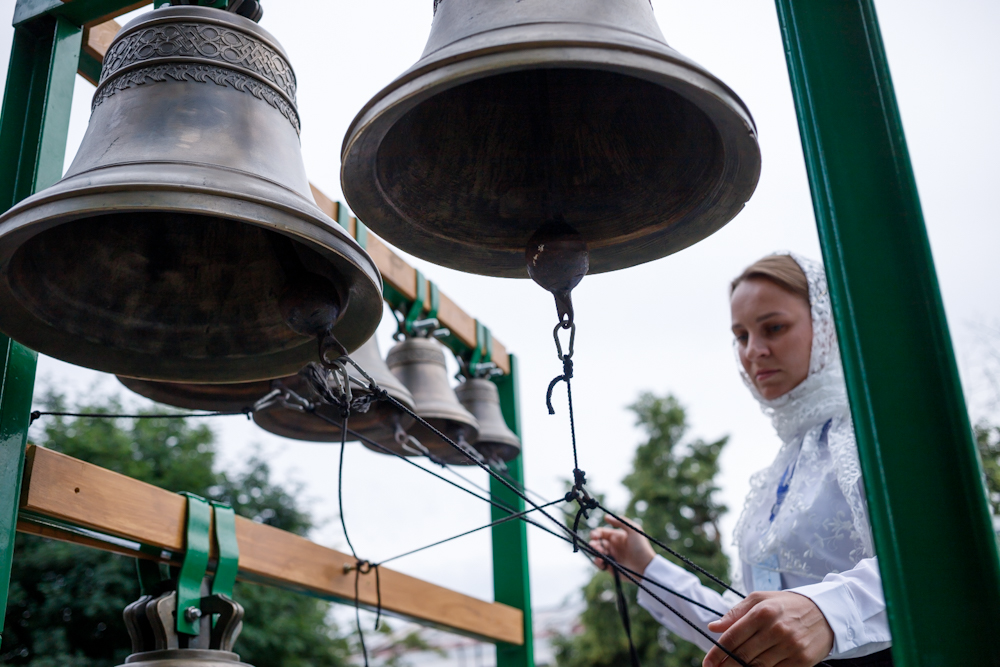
184,233
526,112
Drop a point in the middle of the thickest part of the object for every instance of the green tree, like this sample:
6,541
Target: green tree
66,601
671,487
988,440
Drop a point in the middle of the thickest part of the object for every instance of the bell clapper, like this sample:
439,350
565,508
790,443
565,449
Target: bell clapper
557,259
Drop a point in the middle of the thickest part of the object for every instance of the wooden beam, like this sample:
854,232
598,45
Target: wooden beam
395,271
81,494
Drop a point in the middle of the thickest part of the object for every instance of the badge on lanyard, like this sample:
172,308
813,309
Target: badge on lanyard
766,577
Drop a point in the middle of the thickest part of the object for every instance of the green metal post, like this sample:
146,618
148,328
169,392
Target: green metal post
937,551
33,128
511,583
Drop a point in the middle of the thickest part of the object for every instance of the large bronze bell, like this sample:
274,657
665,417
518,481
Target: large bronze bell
496,441
527,113
381,422
183,243
419,363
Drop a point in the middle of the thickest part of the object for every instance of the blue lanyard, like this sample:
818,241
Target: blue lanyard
783,484
786,477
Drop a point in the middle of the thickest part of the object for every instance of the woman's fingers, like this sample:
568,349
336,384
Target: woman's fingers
629,526
738,611
744,631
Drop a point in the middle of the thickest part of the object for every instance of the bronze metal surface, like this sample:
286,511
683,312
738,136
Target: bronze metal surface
184,657
232,397
522,113
419,363
185,216
496,441
378,423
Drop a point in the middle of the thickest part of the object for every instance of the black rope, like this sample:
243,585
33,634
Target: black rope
38,414
360,566
503,520
382,395
671,551
626,621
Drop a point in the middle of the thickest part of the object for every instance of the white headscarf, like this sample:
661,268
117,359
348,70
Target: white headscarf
822,525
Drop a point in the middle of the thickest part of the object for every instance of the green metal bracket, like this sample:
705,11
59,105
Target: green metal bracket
435,295
511,582
361,234
343,216
229,550
483,354
921,470
417,307
195,565
77,12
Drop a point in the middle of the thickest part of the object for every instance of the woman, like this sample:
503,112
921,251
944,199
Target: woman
805,546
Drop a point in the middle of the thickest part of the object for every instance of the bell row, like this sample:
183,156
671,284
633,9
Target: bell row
414,374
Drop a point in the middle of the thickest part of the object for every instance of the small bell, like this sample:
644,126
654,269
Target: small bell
496,441
183,244
419,363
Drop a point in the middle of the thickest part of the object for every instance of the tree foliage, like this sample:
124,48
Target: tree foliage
66,601
671,487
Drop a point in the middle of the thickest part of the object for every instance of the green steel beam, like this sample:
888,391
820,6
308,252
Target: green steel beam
16,388
937,551
511,583
79,12
33,128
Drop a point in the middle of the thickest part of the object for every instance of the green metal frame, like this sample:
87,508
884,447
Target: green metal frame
919,461
511,580
937,550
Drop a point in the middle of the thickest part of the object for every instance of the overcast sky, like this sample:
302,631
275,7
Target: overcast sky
661,327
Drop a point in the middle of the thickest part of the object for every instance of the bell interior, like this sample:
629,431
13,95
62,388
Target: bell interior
164,283
487,162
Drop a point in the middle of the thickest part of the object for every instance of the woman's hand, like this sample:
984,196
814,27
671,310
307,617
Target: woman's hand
622,543
774,628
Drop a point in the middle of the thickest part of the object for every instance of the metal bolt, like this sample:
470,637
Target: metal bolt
192,614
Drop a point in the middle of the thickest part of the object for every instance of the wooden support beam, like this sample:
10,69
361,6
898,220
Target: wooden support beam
395,271
81,494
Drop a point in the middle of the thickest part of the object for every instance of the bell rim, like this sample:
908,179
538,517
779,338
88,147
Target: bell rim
328,433
48,209
363,189
173,393
175,655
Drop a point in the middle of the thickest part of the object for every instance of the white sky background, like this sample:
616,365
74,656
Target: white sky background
661,327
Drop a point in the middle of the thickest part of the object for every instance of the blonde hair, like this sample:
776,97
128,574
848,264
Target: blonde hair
781,270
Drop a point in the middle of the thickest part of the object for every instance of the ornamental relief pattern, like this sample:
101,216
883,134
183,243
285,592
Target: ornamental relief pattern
200,40
220,76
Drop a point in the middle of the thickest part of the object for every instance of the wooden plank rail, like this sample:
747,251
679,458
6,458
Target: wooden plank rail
395,271
81,494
